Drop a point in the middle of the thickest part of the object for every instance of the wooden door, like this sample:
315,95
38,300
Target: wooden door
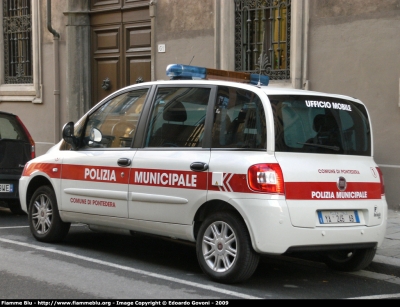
120,45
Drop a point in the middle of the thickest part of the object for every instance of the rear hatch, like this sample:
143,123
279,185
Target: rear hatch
323,145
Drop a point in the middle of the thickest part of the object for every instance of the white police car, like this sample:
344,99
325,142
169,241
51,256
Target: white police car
240,169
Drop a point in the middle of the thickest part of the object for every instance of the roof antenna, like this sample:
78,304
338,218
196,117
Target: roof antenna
191,60
259,75
261,60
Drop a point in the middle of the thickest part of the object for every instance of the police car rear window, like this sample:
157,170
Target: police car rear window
316,124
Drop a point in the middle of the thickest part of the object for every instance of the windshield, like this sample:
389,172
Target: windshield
317,124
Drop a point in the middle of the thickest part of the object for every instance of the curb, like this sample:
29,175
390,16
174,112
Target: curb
387,260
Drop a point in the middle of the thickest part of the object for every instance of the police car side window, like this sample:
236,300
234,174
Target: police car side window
239,120
116,120
178,117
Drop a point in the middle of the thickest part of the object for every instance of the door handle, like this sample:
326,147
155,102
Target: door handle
124,162
199,166
106,84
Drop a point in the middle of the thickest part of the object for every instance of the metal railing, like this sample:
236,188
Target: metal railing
17,37
262,37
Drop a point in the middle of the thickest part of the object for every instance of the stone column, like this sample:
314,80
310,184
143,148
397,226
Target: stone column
78,87
224,34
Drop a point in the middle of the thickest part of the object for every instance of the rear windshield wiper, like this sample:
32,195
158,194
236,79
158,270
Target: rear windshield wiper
335,148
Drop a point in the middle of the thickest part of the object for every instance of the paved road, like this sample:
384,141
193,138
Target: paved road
90,265
389,252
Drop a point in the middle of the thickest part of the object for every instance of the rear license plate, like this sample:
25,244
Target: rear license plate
338,217
6,188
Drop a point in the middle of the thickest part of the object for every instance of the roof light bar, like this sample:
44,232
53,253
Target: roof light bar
187,72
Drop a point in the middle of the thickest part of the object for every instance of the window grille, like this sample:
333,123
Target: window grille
262,37
17,37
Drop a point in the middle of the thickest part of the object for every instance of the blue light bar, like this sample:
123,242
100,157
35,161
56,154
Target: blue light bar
179,71
259,79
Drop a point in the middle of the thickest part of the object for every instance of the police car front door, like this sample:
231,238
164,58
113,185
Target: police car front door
169,175
95,177
94,183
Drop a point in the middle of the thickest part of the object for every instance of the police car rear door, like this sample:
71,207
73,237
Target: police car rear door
169,174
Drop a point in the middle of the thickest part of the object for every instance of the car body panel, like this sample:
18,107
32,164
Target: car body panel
146,200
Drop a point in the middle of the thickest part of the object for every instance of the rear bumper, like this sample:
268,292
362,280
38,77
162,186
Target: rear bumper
272,231
335,247
14,181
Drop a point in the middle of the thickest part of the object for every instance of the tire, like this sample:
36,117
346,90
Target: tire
224,249
44,218
349,260
15,207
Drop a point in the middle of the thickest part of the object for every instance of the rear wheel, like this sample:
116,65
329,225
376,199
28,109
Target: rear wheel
349,260
224,248
44,218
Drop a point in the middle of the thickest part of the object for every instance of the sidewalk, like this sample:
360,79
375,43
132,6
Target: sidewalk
389,252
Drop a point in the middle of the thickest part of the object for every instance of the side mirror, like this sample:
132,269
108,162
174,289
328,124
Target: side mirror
68,135
68,130
95,135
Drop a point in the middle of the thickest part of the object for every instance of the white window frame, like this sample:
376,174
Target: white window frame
24,92
225,41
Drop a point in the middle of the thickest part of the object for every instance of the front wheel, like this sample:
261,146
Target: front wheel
44,219
224,248
349,260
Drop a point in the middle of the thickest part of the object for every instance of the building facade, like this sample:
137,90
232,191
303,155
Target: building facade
59,58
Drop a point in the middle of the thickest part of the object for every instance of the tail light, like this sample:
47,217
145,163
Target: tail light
382,181
266,178
31,141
